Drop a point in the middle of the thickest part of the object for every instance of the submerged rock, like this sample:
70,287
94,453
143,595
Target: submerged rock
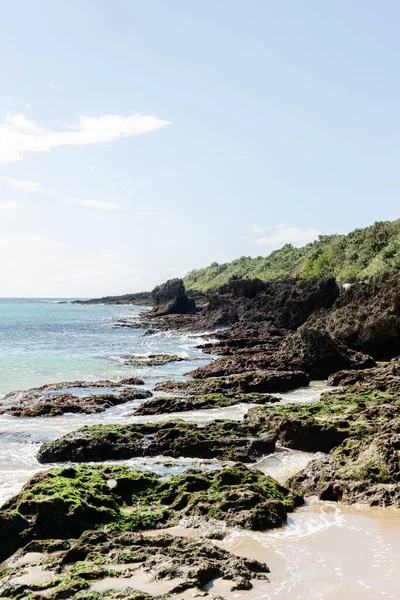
226,440
64,503
151,360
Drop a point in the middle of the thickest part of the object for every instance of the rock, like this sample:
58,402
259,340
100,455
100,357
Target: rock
66,502
171,298
296,431
367,316
151,360
361,470
257,381
287,303
100,383
312,351
244,337
318,354
226,440
277,303
172,404
324,425
233,365
385,378
173,564
56,399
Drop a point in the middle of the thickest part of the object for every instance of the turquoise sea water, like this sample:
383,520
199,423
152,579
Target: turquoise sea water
43,341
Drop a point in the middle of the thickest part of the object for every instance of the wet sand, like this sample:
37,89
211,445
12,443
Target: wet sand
327,552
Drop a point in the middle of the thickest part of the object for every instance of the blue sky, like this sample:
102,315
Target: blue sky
140,139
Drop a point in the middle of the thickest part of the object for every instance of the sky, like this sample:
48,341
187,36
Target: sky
140,139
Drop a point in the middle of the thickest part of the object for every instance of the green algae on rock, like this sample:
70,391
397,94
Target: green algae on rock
63,503
362,469
226,440
323,425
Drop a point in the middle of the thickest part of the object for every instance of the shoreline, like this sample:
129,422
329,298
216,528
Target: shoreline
251,546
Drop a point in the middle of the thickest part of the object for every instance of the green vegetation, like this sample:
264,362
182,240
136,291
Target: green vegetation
358,255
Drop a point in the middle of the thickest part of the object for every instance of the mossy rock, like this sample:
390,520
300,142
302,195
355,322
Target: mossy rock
222,439
324,425
63,503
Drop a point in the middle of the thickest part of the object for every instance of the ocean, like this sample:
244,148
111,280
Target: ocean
44,341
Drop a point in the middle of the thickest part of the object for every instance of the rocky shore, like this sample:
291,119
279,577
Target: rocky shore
83,529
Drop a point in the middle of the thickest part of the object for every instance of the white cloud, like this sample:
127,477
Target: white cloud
91,167
284,234
28,105
8,208
18,134
257,229
26,242
98,204
22,184
53,86
34,186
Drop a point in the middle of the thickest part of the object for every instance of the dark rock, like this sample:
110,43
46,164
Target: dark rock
367,316
318,354
99,383
172,404
171,298
151,360
323,425
249,381
385,378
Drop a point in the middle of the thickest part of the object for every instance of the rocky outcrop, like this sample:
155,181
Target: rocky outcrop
366,317
312,351
245,338
248,382
318,354
384,378
323,425
225,440
171,298
57,398
64,503
362,469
